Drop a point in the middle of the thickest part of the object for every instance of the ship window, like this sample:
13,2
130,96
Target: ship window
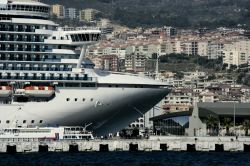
32,121
24,121
0,121
54,38
91,99
41,121
7,121
75,99
67,99
83,99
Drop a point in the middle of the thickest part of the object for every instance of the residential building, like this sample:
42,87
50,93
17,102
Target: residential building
237,53
58,11
87,15
170,31
190,47
203,48
110,62
180,99
135,63
71,13
235,58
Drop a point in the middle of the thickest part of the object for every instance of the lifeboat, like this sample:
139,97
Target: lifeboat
39,91
5,91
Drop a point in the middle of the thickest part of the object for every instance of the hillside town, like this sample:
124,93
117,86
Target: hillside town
139,51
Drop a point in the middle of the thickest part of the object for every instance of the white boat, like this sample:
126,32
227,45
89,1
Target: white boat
35,51
46,133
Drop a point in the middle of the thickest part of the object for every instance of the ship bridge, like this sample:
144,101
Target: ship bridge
23,9
75,36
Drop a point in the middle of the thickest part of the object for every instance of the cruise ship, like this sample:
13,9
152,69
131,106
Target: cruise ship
45,80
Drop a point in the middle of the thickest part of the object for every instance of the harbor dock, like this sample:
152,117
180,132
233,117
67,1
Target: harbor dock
154,143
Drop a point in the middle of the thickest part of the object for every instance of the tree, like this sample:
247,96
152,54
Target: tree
211,77
246,126
225,65
227,123
212,124
179,75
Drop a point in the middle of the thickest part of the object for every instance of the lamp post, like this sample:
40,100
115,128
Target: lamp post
234,119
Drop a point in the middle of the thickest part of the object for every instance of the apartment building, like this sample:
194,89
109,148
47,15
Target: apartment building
71,13
237,52
87,15
58,11
135,63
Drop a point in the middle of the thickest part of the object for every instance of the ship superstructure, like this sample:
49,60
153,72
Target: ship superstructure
44,80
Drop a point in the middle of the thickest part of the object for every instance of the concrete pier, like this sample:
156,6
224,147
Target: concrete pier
154,143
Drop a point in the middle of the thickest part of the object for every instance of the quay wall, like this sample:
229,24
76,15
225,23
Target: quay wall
154,143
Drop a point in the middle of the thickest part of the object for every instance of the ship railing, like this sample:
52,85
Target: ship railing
78,28
28,78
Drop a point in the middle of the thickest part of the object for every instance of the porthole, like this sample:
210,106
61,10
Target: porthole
83,99
41,121
67,99
33,121
7,121
91,99
75,99
24,121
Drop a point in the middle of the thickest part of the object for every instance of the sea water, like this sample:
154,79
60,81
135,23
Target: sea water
127,159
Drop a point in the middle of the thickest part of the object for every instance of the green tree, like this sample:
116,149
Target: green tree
179,75
227,123
246,126
212,124
211,77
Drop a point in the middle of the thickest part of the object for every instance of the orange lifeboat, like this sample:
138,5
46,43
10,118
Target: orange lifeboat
5,91
39,91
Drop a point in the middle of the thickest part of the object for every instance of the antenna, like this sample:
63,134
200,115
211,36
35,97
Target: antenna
157,67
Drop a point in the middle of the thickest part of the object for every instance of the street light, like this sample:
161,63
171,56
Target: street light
234,119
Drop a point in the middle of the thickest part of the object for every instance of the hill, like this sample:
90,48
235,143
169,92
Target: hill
179,13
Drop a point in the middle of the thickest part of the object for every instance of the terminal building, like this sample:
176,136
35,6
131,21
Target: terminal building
206,119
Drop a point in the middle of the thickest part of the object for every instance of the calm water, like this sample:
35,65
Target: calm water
127,158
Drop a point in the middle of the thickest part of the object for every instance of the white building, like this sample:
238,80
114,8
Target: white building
235,58
203,48
237,53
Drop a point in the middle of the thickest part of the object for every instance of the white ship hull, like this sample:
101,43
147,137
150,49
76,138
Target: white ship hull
108,109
